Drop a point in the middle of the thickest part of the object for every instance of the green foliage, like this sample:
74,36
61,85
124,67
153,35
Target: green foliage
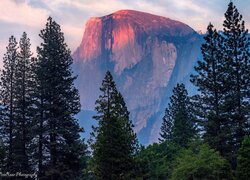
243,160
200,162
116,143
178,123
89,168
155,161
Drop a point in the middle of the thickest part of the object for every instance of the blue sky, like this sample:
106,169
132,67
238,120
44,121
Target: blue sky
30,15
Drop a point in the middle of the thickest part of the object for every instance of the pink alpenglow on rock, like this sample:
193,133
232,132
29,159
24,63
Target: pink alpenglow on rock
147,54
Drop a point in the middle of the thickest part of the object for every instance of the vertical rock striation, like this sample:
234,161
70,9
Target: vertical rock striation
147,55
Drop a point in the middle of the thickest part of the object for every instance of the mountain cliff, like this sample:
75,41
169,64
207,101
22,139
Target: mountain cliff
147,55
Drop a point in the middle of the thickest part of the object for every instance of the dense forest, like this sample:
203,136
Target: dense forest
205,136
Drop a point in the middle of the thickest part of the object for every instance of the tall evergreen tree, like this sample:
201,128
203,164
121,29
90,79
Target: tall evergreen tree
223,82
167,127
24,84
210,82
116,143
178,123
7,100
59,147
237,68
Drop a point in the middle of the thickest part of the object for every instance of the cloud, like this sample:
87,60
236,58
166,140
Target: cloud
21,13
38,4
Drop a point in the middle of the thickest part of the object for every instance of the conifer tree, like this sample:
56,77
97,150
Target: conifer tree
59,147
7,99
210,82
236,69
167,127
116,143
24,84
223,82
178,123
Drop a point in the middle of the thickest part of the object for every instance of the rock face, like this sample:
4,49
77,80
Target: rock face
147,55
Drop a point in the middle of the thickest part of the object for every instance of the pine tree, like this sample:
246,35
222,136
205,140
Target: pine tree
116,143
167,127
243,160
223,82
59,147
210,82
237,67
7,100
178,123
40,139
23,89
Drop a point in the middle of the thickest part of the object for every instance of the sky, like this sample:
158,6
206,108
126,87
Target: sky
17,16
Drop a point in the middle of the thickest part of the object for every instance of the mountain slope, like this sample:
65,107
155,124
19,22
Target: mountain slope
147,54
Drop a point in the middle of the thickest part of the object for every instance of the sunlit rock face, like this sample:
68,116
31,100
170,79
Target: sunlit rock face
147,55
